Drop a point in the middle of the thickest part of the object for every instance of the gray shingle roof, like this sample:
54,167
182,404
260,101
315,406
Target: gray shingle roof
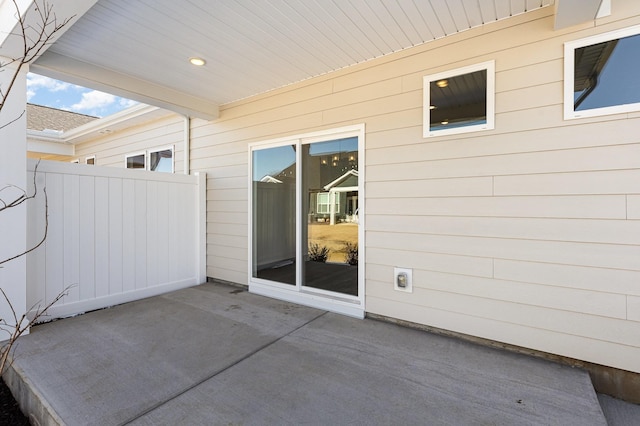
42,117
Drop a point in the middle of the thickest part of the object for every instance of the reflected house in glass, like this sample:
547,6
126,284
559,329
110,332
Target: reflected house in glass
339,200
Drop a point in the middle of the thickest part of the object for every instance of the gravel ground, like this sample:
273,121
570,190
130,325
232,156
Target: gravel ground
10,413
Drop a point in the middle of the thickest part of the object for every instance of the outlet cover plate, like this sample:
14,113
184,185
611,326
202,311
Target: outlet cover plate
409,273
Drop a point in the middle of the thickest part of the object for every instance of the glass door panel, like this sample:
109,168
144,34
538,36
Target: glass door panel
330,210
274,214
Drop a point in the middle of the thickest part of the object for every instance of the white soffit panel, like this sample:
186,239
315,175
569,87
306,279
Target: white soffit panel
250,46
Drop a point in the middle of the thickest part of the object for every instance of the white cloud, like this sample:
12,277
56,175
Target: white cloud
127,103
93,101
35,82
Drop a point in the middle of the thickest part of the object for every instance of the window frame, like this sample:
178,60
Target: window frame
167,148
569,74
127,156
336,201
341,303
489,66
91,157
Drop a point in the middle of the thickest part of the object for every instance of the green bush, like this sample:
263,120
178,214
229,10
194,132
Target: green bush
351,250
318,253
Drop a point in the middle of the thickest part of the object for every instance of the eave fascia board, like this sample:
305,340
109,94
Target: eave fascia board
118,119
576,12
47,143
63,143
71,70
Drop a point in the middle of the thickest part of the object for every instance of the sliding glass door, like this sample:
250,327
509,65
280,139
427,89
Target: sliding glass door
306,218
274,214
330,205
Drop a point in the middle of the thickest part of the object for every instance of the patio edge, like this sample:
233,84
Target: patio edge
620,384
31,401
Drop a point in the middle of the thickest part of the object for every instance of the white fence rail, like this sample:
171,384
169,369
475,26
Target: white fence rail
114,235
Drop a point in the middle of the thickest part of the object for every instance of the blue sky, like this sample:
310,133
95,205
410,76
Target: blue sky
70,97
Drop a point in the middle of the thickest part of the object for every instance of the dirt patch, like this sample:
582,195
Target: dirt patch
334,238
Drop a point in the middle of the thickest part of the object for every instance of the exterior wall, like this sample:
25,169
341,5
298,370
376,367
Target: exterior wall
110,149
528,234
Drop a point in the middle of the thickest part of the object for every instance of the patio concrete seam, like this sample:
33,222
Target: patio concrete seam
219,371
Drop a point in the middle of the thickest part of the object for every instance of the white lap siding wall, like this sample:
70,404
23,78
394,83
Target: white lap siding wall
160,133
528,234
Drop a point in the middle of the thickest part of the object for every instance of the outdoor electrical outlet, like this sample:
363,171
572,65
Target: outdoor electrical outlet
403,280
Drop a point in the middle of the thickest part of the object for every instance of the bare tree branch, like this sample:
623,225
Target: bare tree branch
44,237
34,39
32,47
21,326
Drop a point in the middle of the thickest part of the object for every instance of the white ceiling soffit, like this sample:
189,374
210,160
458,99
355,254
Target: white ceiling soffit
140,49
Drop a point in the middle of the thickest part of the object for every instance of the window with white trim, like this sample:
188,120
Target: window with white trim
136,161
459,101
90,160
161,160
156,160
324,202
601,74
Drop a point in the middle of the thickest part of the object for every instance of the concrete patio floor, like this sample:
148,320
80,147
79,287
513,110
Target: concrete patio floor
216,354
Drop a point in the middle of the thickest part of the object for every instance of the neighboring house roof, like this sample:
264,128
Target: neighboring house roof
270,179
45,118
347,180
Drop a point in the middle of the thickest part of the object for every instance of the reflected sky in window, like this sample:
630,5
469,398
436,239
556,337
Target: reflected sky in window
271,161
618,82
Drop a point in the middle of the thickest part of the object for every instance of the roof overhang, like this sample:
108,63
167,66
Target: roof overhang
100,78
141,50
63,143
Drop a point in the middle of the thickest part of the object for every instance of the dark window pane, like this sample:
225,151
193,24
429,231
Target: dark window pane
135,162
458,101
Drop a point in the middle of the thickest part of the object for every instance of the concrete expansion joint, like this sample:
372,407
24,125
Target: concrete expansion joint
219,371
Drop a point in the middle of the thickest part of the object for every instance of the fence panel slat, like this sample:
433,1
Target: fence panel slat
118,235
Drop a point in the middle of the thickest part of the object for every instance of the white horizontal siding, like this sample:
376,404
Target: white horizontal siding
527,234
111,149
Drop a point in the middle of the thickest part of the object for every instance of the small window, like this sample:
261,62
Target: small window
601,74
135,161
459,101
90,160
324,203
161,160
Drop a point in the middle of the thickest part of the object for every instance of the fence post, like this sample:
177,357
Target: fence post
201,227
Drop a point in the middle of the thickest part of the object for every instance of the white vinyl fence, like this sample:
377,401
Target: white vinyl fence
114,235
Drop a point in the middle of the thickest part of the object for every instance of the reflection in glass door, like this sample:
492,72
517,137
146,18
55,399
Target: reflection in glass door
305,220
330,214
273,215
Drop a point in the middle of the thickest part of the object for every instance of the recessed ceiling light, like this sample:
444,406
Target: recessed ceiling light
432,107
197,61
442,83
444,122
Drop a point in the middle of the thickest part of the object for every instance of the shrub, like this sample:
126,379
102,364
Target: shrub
351,250
318,253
